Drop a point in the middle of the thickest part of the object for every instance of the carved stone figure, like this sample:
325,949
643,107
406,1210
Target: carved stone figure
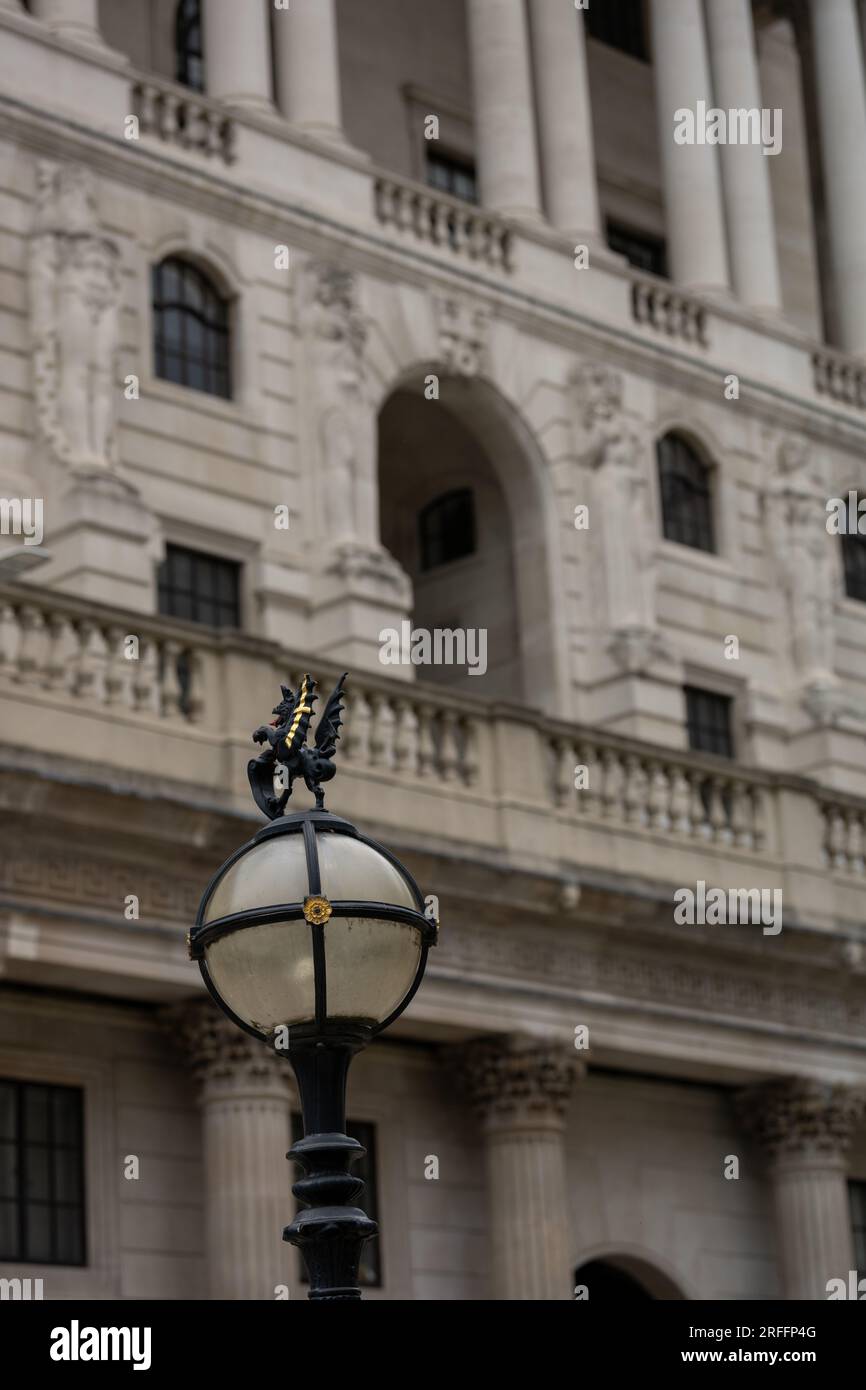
463,331
613,446
803,550
75,301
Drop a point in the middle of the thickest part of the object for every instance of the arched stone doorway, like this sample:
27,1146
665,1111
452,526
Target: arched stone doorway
619,1278
463,511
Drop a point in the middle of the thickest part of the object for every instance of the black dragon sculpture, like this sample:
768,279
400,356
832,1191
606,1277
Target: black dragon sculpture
286,737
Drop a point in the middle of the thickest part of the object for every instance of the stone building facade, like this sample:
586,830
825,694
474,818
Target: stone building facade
327,318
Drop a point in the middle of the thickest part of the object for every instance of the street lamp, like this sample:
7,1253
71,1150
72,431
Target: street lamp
314,939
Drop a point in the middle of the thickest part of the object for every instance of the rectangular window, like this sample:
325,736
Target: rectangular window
41,1173
709,722
200,588
643,251
370,1271
857,1194
620,24
452,174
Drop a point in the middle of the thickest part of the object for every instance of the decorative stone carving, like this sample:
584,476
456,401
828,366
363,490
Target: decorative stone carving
514,1080
74,312
218,1051
463,333
801,1115
613,446
803,551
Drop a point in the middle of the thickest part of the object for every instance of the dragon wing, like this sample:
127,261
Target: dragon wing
328,730
296,734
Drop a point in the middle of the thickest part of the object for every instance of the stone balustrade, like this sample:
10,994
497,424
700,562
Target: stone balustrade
840,377
440,220
668,310
166,700
184,118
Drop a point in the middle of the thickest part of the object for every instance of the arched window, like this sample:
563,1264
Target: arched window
191,328
605,1283
687,502
854,555
188,52
446,528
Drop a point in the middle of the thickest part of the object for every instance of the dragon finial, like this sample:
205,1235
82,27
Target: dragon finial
286,737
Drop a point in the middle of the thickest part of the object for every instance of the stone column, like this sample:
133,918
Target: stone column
237,52
805,1126
245,1093
521,1091
745,167
690,173
70,19
505,128
841,100
564,118
308,72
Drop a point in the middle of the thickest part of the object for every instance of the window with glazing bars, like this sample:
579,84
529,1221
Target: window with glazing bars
451,174
191,328
200,588
41,1173
854,558
446,528
685,482
642,250
188,51
708,716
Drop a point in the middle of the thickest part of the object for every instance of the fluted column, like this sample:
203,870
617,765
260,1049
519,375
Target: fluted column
745,167
564,117
805,1126
70,19
841,100
237,54
520,1091
308,74
245,1093
504,124
690,173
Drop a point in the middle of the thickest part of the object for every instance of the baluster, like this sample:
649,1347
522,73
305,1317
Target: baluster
377,747
423,216
740,818
450,746
718,816
855,843
146,105
171,693
406,737
92,661
563,771
33,645
759,818
700,823
440,229
633,791
681,801
837,838
170,111
657,799
195,705
426,742
460,237
588,795
386,731
469,739
115,661
358,728
145,676
611,786
62,659
9,638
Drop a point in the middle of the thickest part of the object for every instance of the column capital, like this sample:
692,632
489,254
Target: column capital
800,1117
519,1083
223,1058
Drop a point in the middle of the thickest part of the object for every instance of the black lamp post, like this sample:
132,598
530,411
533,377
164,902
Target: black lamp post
314,938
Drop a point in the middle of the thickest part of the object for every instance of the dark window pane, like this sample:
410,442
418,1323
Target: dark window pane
686,493
191,328
446,529
189,582
8,1169
619,23
709,721
642,250
857,1194
69,1236
189,67
67,1175
451,174
8,1107
10,1248
854,556
37,1101
66,1111
37,1232
37,1176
